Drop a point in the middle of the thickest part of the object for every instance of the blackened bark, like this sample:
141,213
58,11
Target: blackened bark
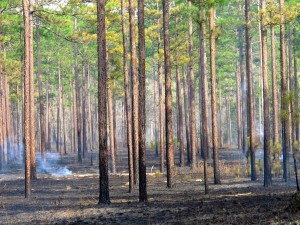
142,105
27,97
134,90
284,95
168,97
77,96
102,104
127,100
250,94
267,133
217,179
192,93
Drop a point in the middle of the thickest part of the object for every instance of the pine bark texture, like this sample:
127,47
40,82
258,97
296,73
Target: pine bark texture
168,97
266,112
192,93
127,100
250,94
40,89
102,104
274,82
284,94
217,179
134,90
27,99
142,105
161,101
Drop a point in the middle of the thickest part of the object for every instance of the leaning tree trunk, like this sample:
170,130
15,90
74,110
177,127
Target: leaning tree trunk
102,104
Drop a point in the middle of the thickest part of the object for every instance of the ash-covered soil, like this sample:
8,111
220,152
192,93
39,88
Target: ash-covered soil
73,199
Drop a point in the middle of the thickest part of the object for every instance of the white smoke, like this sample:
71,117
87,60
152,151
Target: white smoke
51,166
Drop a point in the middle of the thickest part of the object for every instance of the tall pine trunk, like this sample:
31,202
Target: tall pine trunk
102,104
161,101
284,95
27,90
192,92
1,117
31,94
250,94
238,107
77,96
111,127
142,105
127,100
134,89
267,133
168,97
296,107
217,179
40,88
203,98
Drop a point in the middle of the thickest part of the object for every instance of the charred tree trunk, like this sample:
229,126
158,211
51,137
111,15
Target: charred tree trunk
161,103
203,97
77,96
134,90
58,120
250,94
274,82
284,95
41,102
192,93
296,107
127,100
142,106
238,107
27,96
102,104
243,91
267,135
1,117
217,179
111,128
168,97
186,115
180,117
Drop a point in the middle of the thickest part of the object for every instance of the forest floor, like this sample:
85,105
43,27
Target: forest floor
73,199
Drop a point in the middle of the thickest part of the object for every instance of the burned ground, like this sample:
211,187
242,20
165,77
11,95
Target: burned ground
73,200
